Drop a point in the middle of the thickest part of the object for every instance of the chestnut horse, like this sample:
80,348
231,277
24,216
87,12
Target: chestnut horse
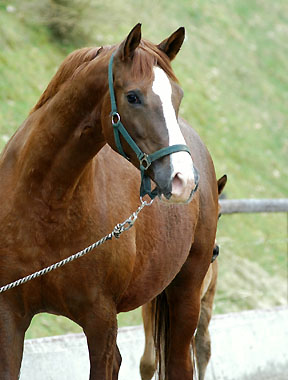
63,187
148,362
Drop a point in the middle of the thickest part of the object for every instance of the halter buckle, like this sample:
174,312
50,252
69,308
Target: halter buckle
145,162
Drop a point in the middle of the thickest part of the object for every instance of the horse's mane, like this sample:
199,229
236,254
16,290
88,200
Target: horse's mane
145,57
66,70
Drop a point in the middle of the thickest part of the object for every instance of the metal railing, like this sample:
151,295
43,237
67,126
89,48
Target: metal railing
233,206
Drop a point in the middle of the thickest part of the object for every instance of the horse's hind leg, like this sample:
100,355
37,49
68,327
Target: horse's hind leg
202,338
148,360
203,342
12,332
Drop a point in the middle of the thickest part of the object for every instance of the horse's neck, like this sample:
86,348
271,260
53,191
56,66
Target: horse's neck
53,148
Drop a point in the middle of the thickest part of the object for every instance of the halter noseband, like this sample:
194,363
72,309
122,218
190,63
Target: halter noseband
145,160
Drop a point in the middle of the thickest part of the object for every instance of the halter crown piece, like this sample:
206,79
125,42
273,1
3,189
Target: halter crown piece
144,159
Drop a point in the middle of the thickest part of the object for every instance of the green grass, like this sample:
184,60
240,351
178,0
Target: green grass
48,325
233,69
27,62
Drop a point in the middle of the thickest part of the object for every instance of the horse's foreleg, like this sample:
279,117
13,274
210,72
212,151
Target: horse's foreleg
184,315
148,360
183,296
100,327
12,332
116,363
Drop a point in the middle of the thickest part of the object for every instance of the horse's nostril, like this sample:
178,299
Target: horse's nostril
178,184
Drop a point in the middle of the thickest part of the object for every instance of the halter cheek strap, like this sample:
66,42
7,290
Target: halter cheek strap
145,160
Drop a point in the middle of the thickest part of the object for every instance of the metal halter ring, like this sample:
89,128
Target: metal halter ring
115,118
145,203
145,162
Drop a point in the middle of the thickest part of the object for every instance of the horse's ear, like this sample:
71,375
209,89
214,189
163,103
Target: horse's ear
221,183
172,44
131,42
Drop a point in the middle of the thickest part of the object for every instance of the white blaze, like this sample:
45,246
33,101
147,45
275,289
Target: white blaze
181,161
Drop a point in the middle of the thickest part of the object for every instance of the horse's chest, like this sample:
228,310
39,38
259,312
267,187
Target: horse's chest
160,255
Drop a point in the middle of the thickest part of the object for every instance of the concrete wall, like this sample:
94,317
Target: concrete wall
249,345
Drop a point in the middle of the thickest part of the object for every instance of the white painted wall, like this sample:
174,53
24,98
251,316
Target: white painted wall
252,345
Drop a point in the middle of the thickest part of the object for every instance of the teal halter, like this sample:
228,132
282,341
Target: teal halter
144,159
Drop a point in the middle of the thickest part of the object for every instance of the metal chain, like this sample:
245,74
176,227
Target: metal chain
117,231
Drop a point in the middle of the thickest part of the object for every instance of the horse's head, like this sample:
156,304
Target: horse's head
148,98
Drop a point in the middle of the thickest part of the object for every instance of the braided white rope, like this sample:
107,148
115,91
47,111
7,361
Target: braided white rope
117,231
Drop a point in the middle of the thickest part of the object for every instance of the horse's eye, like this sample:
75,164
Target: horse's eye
133,98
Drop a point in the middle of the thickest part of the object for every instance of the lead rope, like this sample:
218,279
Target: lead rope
117,231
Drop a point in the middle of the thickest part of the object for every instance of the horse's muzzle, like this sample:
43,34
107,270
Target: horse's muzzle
183,188
179,189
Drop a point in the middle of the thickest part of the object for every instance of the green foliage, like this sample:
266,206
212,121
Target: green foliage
233,69
67,21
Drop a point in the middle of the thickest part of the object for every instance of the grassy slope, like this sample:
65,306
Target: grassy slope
232,69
